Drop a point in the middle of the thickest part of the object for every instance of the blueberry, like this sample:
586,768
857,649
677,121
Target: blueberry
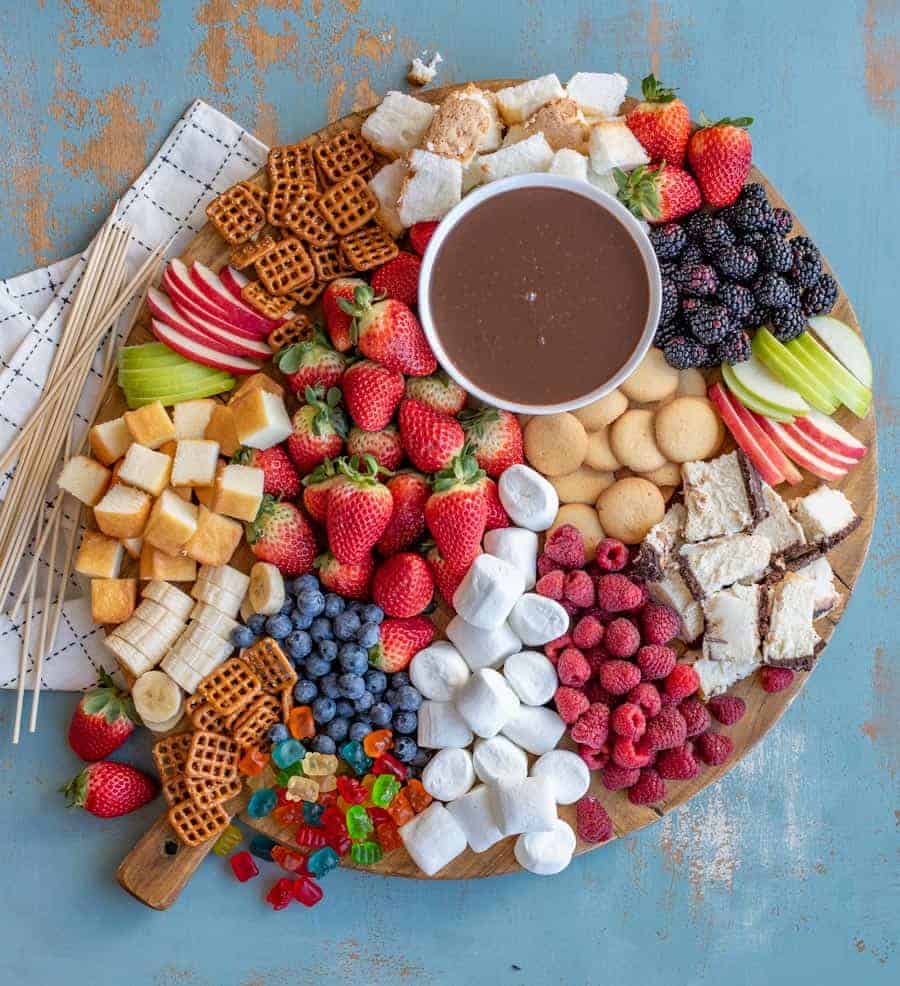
328,649
323,709
311,601
320,629
405,748
301,621
369,635
242,636
337,729
381,713
305,691
323,744
390,696
257,623
304,583
353,658
286,606
372,613
278,733
328,685
352,685
278,627
404,722
399,679
334,605
408,699
359,730
376,681
365,702
344,708
298,644
316,666
346,625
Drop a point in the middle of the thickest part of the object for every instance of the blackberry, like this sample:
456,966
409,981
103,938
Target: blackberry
752,239
753,190
772,290
692,254
669,305
683,353
708,323
775,253
737,263
668,269
751,214
759,316
715,237
668,240
734,348
806,266
664,333
783,221
820,298
727,217
695,225
695,279
737,299
787,323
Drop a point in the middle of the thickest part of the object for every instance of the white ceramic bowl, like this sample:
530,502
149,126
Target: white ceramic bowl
603,201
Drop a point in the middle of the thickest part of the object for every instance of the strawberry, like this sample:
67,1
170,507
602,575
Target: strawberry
399,278
102,720
720,155
496,512
281,535
350,581
317,487
108,789
431,439
371,394
661,123
409,492
438,392
420,236
495,439
311,363
403,584
456,511
337,320
658,193
320,427
401,640
384,446
279,475
387,331
358,511
447,576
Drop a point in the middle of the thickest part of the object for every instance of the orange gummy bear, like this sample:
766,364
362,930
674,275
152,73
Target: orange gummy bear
301,723
388,836
253,761
400,809
290,813
377,743
419,798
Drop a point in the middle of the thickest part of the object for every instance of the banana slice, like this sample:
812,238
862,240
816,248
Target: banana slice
128,656
196,659
247,609
201,638
145,638
169,596
225,577
158,700
266,592
221,599
209,617
166,623
181,672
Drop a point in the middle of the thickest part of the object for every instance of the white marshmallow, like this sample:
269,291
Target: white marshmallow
449,774
517,546
438,671
433,838
536,620
440,725
523,806
499,760
486,702
488,592
473,813
482,648
531,676
546,853
535,728
567,772
528,498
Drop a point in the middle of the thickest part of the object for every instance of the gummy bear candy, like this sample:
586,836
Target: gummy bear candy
388,836
387,763
351,791
289,814
322,861
263,802
378,742
365,853
312,813
319,764
359,825
281,894
307,891
289,860
252,762
384,790
419,798
355,756
400,809
302,789
286,773
227,841
301,723
377,814
309,837
243,867
287,752
339,842
327,783
261,846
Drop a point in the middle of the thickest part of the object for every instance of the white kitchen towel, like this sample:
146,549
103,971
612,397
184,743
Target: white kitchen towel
205,153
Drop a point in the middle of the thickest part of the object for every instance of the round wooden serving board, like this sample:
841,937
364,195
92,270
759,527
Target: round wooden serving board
763,710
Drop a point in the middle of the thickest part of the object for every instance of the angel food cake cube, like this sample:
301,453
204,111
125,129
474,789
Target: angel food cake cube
195,462
192,417
99,556
261,419
386,186
531,155
613,145
238,492
431,188
123,512
517,103
398,124
599,94
150,425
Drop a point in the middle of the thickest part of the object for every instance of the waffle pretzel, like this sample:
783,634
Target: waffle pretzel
204,716
329,262
283,192
170,756
270,664
287,703
266,304
260,195
346,153
303,218
369,247
348,205
286,268
297,330
206,793
294,162
230,687
252,729
195,825
248,253
237,214
212,756
308,295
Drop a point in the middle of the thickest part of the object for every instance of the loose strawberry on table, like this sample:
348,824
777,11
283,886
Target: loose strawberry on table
359,509
103,719
409,494
320,427
279,475
107,789
337,321
720,155
372,393
661,122
456,512
281,535
431,439
384,446
494,438
311,363
438,392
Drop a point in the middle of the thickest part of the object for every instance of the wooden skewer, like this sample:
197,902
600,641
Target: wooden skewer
23,666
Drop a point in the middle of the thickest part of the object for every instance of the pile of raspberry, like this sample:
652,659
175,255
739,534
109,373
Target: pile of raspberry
629,703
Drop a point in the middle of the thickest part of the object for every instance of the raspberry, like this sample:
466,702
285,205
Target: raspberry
695,715
641,600
579,589
595,759
621,638
616,778
667,729
569,607
565,546
551,585
656,661
775,679
546,565
647,698
612,555
714,748
682,681
596,657
592,820
728,709
628,721
592,726
619,677
649,788
616,593
628,754
597,693
555,647
659,623
572,668
667,701
570,703
588,632
678,764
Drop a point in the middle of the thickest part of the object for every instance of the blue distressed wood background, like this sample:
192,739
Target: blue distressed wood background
784,872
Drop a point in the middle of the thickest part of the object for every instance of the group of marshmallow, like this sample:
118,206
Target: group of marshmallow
503,711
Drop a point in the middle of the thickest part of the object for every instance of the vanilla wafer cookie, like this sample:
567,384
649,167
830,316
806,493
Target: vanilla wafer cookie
369,247
297,330
206,793
237,214
212,756
252,728
348,205
270,664
294,162
286,268
195,825
303,218
346,153
248,253
266,304
329,262
170,756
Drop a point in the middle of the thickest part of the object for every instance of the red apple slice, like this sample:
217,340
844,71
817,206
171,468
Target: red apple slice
180,276
726,406
237,311
831,435
772,452
810,444
188,308
234,280
198,329
799,454
198,352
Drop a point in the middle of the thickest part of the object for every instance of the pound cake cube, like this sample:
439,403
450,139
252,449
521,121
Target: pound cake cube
145,469
195,462
112,600
156,565
171,524
518,103
123,512
256,381
132,547
150,425
221,429
261,419
99,556
215,540
191,417
85,478
110,440
238,492
398,124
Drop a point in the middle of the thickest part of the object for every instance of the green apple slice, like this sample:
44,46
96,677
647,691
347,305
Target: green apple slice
150,353
757,380
167,375
785,366
849,390
172,386
751,400
211,388
846,345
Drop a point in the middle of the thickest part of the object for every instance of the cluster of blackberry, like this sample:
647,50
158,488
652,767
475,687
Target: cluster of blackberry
726,273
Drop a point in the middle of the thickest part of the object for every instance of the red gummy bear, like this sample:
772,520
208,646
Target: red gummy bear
281,894
307,891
